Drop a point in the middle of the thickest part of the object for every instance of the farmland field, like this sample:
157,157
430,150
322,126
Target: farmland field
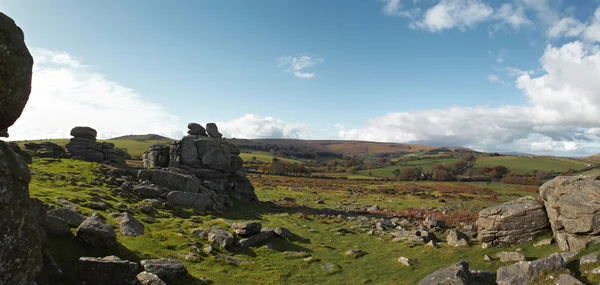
520,164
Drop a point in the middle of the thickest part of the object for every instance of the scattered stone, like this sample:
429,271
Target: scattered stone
246,228
355,253
329,267
525,271
283,232
566,279
589,258
107,271
230,260
320,202
256,239
457,239
73,218
95,231
373,209
544,242
488,257
432,223
573,207
97,205
220,237
512,222
405,261
67,204
455,274
190,257
147,278
129,225
167,269
297,254
208,249
510,256
432,244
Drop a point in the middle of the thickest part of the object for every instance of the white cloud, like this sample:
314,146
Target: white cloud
562,114
448,14
252,126
66,94
296,65
513,16
394,8
570,27
493,78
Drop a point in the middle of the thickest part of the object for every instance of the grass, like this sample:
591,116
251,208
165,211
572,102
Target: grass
388,171
521,164
266,157
170,235
133,147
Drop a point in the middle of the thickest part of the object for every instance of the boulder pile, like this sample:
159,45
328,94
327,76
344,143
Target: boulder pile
205,159
84,146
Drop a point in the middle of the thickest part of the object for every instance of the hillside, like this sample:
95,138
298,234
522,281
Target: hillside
148,137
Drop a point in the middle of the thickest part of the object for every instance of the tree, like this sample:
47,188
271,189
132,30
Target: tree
396,173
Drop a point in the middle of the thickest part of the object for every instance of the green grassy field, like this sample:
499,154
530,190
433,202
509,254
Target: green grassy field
520,164
170,235
266,157
388,171
133,147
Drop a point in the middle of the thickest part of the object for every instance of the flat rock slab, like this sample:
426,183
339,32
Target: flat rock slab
73,218
526,271
458,273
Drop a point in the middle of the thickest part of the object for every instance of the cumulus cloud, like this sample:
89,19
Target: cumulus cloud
448,14
296,65
252,126
493,78
562,113
65,94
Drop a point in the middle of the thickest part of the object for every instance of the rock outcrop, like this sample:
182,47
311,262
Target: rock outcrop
512,222
205,155
573,207
84,146
20,238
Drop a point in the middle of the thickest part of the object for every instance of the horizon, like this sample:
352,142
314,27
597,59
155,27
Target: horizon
493,76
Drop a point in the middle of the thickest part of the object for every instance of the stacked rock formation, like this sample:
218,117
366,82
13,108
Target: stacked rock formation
573,207
20,250
84,146
513,222
208,157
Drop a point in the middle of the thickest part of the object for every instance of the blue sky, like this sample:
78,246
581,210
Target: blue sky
492,75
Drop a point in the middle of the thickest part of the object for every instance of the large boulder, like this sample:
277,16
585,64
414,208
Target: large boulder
109,270
73,218
457,274
573,207
15,72
512,222
20,242
95,231
213,131
526,271
169,270
129,225
220,237
84,132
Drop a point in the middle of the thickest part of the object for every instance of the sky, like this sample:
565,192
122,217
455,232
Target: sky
511,75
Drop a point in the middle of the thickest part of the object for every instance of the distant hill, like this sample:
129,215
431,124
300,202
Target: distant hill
148,137
333,146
